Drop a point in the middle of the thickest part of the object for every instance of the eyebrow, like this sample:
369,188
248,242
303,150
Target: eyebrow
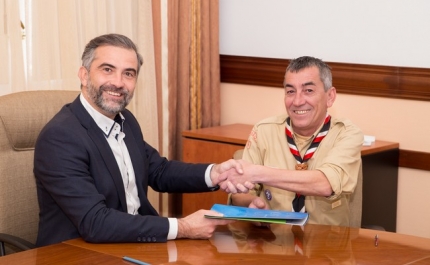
106,64
310,83
112,66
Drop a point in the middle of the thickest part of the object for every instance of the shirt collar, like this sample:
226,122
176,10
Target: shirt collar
107,125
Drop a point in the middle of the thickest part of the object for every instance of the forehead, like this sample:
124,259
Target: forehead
306,74
116,56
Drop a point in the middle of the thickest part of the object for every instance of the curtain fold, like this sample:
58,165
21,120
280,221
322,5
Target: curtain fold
194,93
179,74
193,75
210,71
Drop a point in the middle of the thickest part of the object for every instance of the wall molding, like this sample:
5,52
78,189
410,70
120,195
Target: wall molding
356,79
414,159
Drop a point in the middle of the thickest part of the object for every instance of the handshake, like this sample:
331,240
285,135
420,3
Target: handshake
234,176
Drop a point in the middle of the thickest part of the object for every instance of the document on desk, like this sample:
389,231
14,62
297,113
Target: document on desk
258,215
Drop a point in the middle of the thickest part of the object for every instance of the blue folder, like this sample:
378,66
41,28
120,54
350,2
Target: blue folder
258,215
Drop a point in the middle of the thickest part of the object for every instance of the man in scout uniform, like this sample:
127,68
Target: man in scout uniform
311,160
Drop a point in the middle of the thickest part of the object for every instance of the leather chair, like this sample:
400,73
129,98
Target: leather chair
22,116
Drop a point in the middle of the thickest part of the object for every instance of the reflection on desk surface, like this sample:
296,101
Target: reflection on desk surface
243,243
321,244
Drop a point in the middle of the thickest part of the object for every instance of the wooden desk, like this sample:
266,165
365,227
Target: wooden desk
243,243
59,254
380,171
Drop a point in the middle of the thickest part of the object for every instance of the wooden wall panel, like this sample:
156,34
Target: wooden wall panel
414,159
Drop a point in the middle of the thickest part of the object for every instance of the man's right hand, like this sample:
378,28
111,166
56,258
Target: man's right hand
233,181
197,226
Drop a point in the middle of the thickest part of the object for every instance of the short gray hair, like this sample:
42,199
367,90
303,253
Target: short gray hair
307,61
116,40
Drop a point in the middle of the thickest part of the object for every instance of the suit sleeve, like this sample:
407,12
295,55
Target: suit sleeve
163,175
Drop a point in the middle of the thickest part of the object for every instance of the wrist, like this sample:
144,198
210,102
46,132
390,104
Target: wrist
260,174
183,228
208,176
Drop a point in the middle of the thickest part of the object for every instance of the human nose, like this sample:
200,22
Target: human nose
117,80
299,99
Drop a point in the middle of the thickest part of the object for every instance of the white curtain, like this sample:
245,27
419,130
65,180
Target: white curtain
56,34
12,77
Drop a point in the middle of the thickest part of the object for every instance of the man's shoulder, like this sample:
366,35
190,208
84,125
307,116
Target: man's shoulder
343,120
273,121
61,121
345,123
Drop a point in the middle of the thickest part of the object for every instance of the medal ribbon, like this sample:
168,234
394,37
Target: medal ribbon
299,200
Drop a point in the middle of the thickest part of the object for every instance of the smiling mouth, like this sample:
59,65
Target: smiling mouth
301,112
116,94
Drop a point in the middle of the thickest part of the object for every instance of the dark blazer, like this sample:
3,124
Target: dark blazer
80,188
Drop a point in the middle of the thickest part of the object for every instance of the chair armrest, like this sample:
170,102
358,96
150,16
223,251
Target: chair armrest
18,242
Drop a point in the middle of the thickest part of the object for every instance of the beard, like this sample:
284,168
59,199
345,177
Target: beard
110,106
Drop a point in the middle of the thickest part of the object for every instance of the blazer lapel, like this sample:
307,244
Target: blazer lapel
140,171
100,141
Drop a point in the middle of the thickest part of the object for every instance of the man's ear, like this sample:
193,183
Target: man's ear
83,76
331,96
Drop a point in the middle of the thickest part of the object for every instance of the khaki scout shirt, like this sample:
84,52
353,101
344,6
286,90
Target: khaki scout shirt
338,157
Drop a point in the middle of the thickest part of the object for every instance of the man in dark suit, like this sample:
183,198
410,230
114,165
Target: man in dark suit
93,167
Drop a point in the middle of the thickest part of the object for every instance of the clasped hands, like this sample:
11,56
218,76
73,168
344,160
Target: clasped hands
233,176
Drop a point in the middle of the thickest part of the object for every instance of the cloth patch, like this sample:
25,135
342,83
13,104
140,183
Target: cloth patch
336,204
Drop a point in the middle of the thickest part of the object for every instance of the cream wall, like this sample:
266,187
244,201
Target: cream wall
402,121
387,32
384,32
